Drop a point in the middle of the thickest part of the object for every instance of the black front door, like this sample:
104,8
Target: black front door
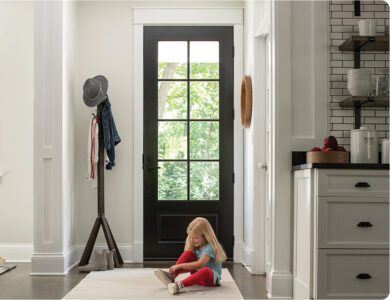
188,135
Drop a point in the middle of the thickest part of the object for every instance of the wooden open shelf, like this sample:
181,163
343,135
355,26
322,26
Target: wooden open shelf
366,43
375,101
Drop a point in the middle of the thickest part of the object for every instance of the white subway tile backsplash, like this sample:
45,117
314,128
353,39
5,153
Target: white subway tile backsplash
342,28
336,77
375,120
367,113
350,21
373,7
336,134
335,7
382,113
381,56
367,15
336,36
366,56
336,119
374,64
349,120
336,63
348,7
382,127
342,126
348,63
342,112
339,14
381,14
336,22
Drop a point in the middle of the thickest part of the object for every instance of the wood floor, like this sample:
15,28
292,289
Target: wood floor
19,284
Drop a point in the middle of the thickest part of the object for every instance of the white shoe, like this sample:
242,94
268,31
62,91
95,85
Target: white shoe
174,288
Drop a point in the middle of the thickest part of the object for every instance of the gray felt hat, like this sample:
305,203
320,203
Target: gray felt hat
95,90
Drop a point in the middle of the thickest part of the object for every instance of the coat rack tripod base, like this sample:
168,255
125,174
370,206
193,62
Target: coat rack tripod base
101,219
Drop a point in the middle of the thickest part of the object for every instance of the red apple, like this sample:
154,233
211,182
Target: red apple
315,149
328,149
331,142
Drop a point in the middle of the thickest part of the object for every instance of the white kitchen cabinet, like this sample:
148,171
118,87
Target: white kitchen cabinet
341,234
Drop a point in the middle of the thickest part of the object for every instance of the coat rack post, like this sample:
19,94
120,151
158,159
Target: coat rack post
101,219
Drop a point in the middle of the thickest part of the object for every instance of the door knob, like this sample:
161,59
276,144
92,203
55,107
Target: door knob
262,166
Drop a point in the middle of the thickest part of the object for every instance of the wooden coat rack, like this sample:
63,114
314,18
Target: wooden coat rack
101,219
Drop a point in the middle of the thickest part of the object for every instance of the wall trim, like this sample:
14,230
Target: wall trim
188,16
126,250
248,256
160,17
17,252
280,284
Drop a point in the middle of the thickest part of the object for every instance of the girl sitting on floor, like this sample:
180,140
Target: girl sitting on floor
202,257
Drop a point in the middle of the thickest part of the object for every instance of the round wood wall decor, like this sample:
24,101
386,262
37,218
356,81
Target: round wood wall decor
246,101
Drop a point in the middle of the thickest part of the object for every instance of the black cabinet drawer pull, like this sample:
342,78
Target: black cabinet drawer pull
364,224
362,184
363,276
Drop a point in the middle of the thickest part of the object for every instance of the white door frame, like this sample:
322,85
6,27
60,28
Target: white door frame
182,16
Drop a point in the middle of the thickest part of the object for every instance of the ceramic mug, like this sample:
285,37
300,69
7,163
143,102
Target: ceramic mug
367,27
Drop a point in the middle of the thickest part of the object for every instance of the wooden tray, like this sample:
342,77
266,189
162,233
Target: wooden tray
327,157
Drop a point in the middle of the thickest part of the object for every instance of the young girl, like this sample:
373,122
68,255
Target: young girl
202,257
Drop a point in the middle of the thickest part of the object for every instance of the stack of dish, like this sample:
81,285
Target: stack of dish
359,81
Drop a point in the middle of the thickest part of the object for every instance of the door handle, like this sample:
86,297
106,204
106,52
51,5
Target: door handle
154,167
362,184
262,166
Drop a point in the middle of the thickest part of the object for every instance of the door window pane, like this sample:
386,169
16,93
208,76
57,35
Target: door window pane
204,60
204,180
172,100
172,60
204,100
172,140
204,140
172,181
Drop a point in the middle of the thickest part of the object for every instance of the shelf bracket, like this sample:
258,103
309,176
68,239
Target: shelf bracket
358,114
357,7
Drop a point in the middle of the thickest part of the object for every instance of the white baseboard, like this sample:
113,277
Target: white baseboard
48,264
17,252
138,252
238,251
279,285
247,257
125,250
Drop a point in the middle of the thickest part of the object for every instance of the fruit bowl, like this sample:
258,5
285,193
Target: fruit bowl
327,157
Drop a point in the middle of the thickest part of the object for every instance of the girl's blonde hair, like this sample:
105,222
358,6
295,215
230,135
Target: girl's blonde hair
200,226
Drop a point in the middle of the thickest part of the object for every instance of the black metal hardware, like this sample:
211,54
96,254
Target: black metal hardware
362,184
363,276
364,224
154,168
357,8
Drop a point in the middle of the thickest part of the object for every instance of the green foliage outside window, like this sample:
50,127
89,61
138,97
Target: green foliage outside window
173,135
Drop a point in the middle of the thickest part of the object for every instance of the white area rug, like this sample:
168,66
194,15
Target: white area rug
142,284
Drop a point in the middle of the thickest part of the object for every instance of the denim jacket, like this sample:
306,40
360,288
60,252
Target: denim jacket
110,134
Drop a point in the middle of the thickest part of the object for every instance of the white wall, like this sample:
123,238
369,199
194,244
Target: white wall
104,35
16,130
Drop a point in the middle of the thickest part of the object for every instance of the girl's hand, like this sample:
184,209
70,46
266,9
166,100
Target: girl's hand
174,268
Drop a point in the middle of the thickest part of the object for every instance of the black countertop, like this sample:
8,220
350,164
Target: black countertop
341,166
